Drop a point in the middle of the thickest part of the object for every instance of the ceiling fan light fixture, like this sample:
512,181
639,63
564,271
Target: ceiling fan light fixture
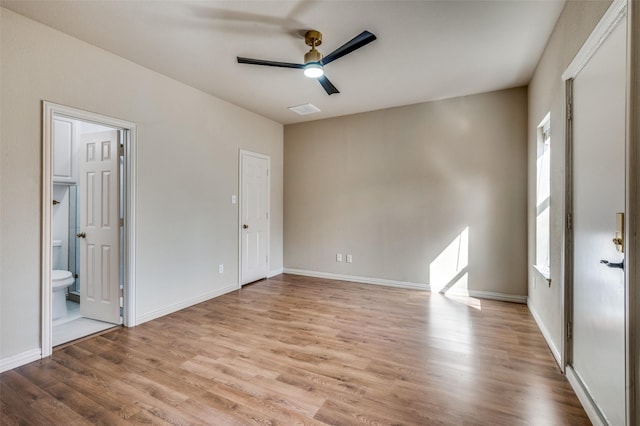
313,70
314,62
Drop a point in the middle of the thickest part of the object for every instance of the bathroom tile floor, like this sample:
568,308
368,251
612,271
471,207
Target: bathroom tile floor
74,326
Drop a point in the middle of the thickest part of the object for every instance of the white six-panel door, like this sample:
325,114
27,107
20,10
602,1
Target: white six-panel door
254,216
598,351
100,227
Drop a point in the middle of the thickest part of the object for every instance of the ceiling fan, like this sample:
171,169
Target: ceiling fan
314,62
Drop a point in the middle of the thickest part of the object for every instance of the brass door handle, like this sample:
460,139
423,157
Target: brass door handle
245,226
81,235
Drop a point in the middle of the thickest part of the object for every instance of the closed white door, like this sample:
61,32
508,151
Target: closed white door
254,216
99,227
598,350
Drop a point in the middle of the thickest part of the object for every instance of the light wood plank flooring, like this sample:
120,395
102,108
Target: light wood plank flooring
297,350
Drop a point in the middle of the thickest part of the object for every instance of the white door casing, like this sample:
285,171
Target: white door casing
100,226
598,161
254,216
50,111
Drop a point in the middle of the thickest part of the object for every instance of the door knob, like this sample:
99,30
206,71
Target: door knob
81,235
245,226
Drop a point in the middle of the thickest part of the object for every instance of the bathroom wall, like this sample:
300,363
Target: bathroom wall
187,164
60,224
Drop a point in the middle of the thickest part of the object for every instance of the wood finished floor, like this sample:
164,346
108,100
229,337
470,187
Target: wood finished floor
296,350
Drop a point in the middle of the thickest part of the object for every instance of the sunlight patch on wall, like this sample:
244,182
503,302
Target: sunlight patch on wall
449,270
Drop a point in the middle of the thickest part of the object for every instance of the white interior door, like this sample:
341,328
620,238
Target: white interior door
99,226
254,216
598,349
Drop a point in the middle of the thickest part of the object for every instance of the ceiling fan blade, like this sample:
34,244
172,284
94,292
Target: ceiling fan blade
327,85
357,42
242,60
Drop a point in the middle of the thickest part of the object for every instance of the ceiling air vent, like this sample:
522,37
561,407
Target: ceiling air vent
305,109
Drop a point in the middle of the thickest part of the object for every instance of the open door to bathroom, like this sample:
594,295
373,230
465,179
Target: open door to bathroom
99,226
106,198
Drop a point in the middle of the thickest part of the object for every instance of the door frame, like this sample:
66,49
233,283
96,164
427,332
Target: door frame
632,255
49,110
241,154
618,10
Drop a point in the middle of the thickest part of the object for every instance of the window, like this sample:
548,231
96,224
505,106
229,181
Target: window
543,195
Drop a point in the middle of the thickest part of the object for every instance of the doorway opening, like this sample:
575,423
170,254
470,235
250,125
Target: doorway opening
87,243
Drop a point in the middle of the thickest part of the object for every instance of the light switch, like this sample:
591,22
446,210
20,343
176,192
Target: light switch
234,199
339,257
349,258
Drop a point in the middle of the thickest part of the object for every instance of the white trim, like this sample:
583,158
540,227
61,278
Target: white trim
545,333
543,271
357,279
502,297
185,304
49,109
606,25
632,226
275,272
47,215
241,154
17,360
130,230
406,284
583,396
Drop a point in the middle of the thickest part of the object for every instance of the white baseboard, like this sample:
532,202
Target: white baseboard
502,297
184,304
275,272
17,360
357,279
406,284
547,336
583,396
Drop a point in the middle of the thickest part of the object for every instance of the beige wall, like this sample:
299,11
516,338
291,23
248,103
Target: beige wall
546,95
395,187
188,145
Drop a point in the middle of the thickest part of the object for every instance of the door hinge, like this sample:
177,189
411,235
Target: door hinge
569,330
569,111
569,222
121,150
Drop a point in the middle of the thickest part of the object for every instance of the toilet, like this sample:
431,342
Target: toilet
60,281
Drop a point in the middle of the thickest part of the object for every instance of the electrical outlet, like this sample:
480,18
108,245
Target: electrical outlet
221,268
349,258
339,257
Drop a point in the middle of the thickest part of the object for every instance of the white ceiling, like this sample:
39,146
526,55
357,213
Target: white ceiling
425,50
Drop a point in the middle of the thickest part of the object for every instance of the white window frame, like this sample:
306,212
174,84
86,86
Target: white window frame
543,206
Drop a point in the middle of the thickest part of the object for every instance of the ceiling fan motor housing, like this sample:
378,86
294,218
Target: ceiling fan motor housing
313,38
312,56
